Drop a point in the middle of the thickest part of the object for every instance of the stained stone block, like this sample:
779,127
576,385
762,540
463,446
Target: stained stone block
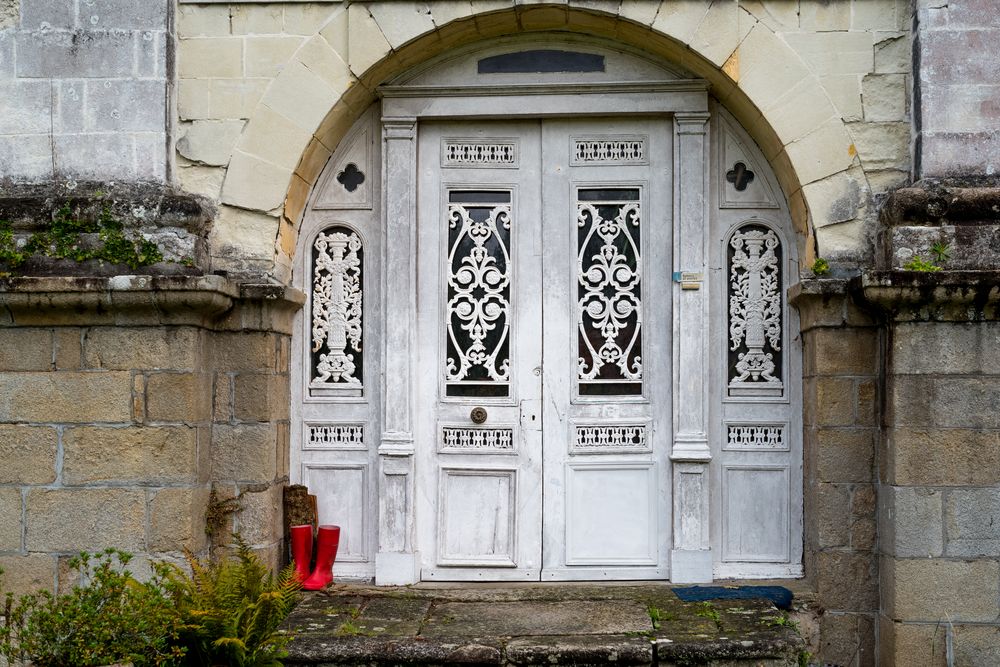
962,590
93,156
912,522
125,106
846,581
973,522
29,573
177,519
178,397
42,397
244,452
123,14
78,54
141,455
28,454
27,107
48,15
142,348
944,457
71,520
26,156
10,519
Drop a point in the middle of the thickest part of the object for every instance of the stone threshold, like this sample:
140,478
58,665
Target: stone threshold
539,624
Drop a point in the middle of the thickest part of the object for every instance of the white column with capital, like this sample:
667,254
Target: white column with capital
691,556
395,562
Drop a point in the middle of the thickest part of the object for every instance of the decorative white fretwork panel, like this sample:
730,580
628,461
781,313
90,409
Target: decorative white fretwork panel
593,439
624,150
478,270
755,317
466,153
334,436
756,437
477,439
609,291
337,296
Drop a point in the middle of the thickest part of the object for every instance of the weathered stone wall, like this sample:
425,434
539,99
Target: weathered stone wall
841,358
123,404
957,96
85,88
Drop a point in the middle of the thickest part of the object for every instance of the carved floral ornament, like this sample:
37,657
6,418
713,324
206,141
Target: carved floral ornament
337,308
754,309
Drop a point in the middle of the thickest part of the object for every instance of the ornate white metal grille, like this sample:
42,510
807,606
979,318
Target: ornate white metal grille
336,436
479,278
611,437
754,308
756,436
629,150
609,270
337,308
478,438
471,154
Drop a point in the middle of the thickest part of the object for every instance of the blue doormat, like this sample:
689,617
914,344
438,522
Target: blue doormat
779,595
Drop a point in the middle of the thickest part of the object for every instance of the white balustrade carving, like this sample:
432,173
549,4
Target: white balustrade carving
337,307
478,438
756,436
754,307
467,154
609,272
609,151
336,436
611,437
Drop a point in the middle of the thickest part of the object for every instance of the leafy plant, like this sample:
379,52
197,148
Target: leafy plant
110,618
9,254
820,267
918,263
707,610
941,252
232,609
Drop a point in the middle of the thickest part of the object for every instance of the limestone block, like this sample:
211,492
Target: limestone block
244,452
202,21
201,180
209,142
640,11
768,68
27,574
845,638
257,19
845,455
6,51
177,519
718,34
27,107
946,348
235,98
260,397
960,108
192,99
306,19
960,57
366,43
45,15
271,134
680,19
831,515
75,54
777,15
123,348
845,93
885,97
123,15
800,110
834,52
446,11
26,156
977,645
10,519
842,352
248,351
151,54
25,349
846,581
825,16
312,161
178,397
336,33
125,106
302,96
843,240
320,58
73,520
152,455
825,151
259,520
93,156
401,21
973,522
266,56
873,15
912,522
836,198
222,401
834,401
28,454
204,57
41,397
963,590
255,184
893,53
243,234
912,643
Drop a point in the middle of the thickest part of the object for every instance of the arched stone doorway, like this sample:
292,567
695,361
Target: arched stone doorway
547,334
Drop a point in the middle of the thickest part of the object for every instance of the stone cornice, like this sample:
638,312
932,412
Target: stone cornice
946,296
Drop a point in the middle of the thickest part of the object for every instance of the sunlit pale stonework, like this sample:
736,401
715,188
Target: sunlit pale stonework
486,275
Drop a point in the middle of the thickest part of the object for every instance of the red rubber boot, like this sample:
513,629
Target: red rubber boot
327,542
302,549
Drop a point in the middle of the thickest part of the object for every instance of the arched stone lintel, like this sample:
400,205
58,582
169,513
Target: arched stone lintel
330,80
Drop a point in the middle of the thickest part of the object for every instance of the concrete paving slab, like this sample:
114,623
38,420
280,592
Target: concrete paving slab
516,619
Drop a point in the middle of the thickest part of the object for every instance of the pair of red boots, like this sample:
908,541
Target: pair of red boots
327,541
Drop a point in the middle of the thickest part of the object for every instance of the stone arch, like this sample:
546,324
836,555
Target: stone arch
329,81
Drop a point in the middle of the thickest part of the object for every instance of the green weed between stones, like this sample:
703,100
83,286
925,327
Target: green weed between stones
227,611
707,610
65,239
820,267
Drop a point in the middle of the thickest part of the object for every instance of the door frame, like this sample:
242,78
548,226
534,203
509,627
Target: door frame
686,103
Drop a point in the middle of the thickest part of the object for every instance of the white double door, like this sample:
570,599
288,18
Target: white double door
543,391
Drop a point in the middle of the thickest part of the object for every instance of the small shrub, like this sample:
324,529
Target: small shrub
820,267
918,263
941,252
232,608
110,618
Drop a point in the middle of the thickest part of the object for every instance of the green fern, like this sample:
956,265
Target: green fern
232,610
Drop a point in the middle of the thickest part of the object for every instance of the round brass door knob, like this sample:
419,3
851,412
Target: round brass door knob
478,415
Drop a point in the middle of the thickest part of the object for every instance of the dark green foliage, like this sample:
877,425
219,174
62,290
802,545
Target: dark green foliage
110,618
232,609
9,254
